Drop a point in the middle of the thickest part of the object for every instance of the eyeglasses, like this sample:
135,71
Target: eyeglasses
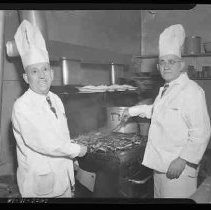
169,62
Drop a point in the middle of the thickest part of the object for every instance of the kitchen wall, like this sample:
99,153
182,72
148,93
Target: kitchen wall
114,31
111,30
117,31
12,88
195,21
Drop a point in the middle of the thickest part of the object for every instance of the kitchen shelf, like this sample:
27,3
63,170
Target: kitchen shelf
68,92
189,55
135,78
194,78
110,92
160,79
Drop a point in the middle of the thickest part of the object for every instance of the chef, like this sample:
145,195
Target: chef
44,149
180,126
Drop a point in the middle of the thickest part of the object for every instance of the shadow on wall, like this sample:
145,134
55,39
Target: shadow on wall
12,147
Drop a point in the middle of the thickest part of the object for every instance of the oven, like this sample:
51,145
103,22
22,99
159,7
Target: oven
119,173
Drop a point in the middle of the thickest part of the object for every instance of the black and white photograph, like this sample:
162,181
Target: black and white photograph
105,104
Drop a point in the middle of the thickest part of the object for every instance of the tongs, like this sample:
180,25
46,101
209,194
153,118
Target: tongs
119,126
122,124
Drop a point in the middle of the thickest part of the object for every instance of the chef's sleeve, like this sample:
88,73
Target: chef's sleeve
39,138
198,122
141,110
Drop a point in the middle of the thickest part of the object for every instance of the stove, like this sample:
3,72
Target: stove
116,159
104,141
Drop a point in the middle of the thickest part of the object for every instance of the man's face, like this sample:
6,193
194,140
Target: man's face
170,67
39,77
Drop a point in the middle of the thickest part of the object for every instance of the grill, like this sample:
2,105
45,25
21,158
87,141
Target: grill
105,143
116,159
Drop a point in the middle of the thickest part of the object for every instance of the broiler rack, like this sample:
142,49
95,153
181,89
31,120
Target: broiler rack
99,160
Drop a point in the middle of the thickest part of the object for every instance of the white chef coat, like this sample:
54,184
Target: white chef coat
180,125
44,148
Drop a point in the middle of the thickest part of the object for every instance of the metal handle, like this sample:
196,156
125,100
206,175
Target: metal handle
135,181
113,74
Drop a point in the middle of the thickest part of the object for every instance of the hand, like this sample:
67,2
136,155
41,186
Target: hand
83,151
124,117
75,165
176,168
142,115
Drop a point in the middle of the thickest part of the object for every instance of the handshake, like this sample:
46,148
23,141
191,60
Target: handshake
83,150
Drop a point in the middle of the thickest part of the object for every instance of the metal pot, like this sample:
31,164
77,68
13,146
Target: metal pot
113,119
192,45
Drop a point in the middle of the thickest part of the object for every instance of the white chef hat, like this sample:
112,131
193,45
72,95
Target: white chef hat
171,40
30,44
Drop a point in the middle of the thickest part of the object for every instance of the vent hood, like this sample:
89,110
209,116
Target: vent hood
57,49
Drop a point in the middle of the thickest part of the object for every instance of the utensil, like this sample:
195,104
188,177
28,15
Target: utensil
119,126
115,122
